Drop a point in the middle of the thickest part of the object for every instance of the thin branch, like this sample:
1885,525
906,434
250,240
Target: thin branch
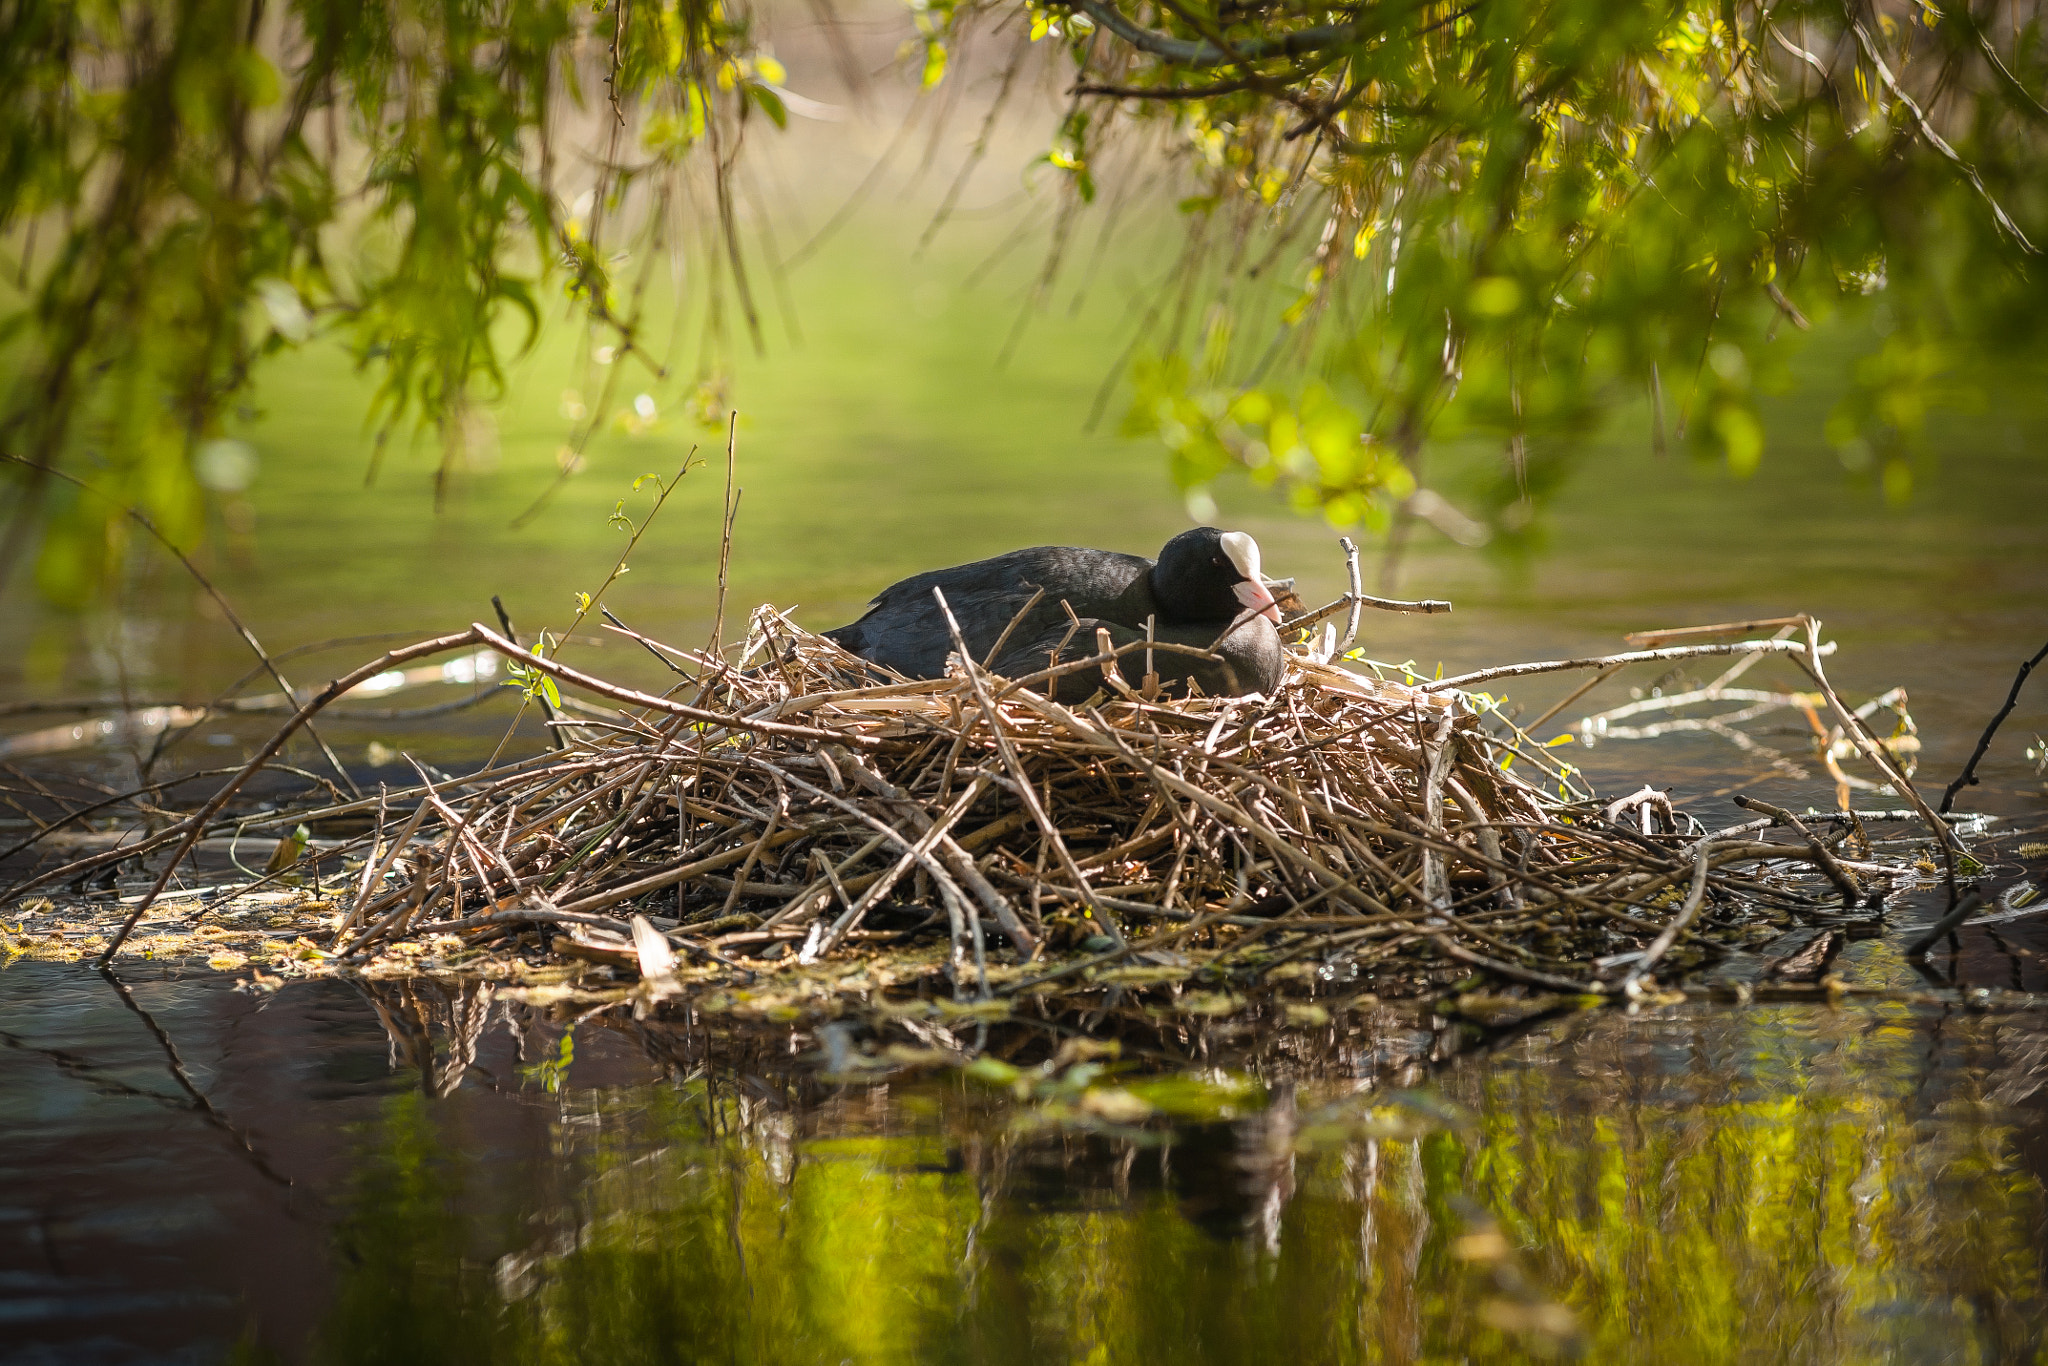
1968,777
220,600
1795,648
1198,52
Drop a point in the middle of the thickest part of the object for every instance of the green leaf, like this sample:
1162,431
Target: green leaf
769,103
256,80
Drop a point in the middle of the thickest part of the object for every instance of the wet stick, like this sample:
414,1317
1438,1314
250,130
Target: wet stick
193,826
1945,926
1661,945
1880,758
1844,880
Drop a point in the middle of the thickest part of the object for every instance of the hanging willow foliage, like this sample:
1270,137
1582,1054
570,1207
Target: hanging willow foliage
190,187
1485,221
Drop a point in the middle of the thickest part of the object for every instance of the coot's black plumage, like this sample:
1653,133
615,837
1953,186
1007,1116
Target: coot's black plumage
1203,580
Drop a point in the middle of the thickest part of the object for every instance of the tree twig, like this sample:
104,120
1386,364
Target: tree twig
219,599
1794,648
1968,777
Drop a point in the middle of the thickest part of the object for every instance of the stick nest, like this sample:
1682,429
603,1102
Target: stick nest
786,817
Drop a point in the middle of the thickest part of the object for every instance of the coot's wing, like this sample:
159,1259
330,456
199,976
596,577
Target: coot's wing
904,631
1030,652
1252,659
1248,658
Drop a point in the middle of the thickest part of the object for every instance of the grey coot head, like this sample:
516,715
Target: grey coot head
1211,575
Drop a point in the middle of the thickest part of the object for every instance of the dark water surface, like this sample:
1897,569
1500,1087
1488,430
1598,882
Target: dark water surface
196,1174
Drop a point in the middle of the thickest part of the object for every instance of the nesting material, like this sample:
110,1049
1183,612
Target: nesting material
785,813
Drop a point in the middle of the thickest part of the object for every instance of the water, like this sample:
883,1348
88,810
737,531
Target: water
1786,1183
330,1173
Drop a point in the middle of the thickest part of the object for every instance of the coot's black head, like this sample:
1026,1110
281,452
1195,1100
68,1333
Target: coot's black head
1211,575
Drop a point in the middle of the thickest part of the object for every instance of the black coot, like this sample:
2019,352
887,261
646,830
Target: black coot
1203,580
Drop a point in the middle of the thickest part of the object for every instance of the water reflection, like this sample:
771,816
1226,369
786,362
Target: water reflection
1785,1183
1788,1184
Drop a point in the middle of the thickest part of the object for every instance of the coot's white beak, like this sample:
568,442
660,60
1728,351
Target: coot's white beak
1252,592
1256,595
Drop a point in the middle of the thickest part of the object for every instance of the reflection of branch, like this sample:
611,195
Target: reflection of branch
1844,780
82,1069
1765,702
1596,728
204,1106
1750,746
411,1040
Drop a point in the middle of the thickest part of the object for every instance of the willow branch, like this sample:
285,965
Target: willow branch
1199,52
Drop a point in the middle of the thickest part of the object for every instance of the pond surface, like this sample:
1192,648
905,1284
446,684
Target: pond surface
398,1173
191,1173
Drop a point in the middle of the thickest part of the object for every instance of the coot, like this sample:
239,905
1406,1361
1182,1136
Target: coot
1203,580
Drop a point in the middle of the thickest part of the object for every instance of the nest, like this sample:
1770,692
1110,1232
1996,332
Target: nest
781,810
